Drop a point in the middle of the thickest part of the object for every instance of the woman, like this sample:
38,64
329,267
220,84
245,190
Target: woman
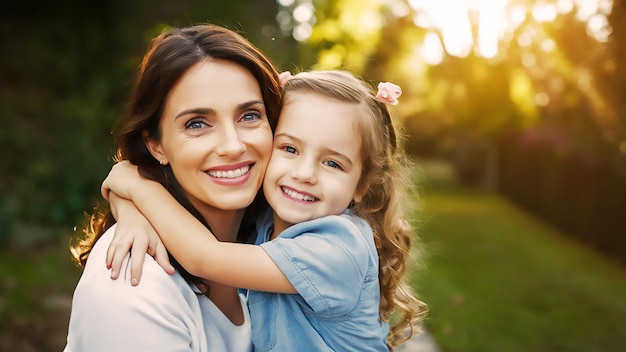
200,122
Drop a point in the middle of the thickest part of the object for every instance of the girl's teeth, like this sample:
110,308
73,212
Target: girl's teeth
298,196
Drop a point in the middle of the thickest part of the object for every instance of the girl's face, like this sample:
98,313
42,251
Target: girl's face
316,159
216,136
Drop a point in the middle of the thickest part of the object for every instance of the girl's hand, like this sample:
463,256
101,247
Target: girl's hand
134,233
121,180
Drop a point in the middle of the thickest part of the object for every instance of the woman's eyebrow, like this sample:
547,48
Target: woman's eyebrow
210,111
195,111
249,104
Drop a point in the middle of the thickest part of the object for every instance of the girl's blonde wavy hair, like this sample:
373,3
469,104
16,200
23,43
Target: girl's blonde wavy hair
386,180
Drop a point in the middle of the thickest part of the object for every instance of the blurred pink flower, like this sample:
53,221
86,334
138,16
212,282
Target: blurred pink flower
283,77
388,93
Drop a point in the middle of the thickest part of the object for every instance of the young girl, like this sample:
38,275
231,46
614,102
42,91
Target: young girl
327,273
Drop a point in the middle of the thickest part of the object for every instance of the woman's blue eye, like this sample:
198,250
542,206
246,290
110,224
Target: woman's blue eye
195,124
251,116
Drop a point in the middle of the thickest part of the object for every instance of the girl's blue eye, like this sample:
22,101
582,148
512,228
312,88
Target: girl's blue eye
290,149
333,164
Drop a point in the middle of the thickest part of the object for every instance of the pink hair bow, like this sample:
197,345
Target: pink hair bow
283,77
388,93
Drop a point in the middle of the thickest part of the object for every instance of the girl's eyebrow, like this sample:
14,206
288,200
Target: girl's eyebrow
328,151
339,155
210,111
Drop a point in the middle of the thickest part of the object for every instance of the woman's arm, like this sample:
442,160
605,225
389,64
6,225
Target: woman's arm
191,243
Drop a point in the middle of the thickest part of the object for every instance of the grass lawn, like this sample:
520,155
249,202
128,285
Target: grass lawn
499,279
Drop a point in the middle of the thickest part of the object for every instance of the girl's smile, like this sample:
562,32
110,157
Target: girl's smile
316,160
296,195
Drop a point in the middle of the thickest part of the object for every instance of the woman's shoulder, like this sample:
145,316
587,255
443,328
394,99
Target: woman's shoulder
155,283
106,313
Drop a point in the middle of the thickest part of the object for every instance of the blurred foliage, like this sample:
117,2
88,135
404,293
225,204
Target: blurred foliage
65,74
560,74
541,117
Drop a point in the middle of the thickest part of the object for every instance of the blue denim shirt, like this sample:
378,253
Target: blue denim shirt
333,264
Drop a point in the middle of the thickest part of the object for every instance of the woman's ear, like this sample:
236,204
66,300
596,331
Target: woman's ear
154,147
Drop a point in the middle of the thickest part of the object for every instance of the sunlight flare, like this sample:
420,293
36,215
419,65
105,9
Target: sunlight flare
497,20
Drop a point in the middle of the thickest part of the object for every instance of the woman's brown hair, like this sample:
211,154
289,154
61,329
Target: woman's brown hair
170,55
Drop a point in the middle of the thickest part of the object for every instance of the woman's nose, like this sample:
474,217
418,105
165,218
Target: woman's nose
230,143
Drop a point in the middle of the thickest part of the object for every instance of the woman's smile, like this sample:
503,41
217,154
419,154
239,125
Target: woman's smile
231,175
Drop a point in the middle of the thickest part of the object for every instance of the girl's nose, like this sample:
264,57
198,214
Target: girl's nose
305,171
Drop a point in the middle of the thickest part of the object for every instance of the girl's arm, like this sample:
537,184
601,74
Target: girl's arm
133,232
190,242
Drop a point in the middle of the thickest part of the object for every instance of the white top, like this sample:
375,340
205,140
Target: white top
163,313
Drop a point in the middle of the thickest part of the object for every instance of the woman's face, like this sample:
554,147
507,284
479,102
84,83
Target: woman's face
216,136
